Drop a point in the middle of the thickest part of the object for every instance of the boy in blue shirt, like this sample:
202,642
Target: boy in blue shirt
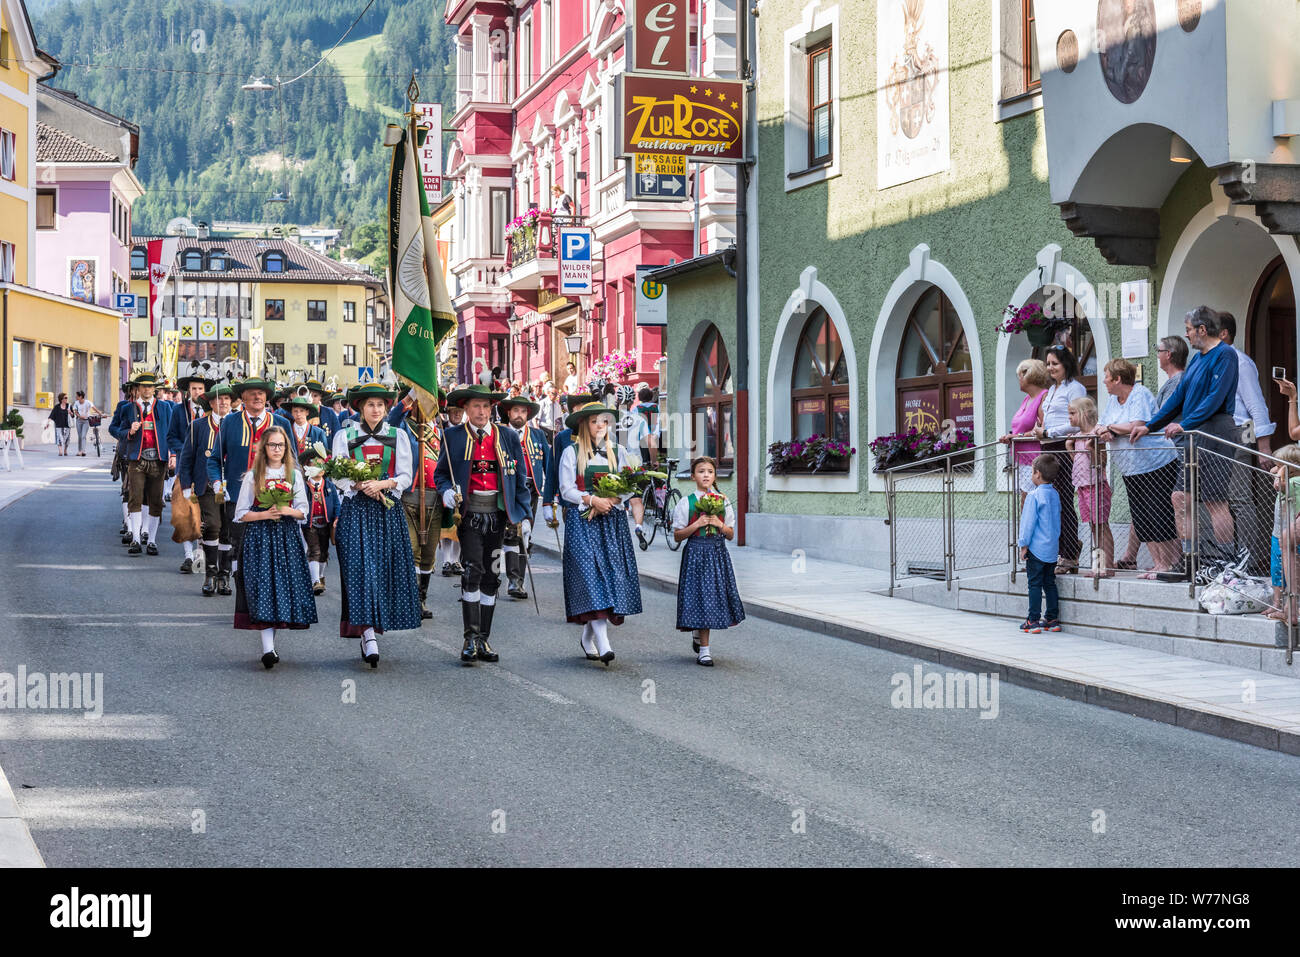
1040,531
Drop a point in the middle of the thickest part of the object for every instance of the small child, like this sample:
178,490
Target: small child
1083,416
1040,533
707,597
323,511
1279,572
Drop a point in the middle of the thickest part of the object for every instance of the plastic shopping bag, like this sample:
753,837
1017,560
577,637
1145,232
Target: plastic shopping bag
47,432
1232,593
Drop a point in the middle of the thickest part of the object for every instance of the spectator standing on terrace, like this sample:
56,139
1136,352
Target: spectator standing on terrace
1148,467
1205,397
1053,429
1034,380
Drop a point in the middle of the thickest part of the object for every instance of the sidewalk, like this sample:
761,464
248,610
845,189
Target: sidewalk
848,601
42,466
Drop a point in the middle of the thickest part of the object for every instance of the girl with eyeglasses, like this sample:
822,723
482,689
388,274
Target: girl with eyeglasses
277,590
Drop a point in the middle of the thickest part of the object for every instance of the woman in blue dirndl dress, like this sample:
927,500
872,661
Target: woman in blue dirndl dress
277,590
707,597
601,582
380,592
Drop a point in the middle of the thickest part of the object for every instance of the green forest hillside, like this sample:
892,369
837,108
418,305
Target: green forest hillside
210,150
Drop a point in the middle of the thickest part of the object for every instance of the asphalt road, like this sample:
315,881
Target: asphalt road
788,752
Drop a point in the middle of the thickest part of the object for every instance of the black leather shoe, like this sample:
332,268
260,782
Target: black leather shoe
126,538
122,530
446,570
425,614
144,538
607,657
270,660
469,613
517,591
484,650
695,643
135,548
151,549
318,588
457,569
209,582
371,659
187,567
591,655
640,540
223,584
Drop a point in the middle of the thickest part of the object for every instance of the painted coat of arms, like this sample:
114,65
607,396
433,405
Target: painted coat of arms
913,76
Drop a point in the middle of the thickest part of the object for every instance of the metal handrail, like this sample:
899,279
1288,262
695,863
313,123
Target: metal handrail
909,466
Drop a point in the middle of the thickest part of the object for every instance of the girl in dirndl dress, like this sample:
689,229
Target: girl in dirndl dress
376,566
601,582
707,597
277,587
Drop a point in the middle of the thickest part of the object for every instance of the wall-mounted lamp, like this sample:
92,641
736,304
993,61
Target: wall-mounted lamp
1179,150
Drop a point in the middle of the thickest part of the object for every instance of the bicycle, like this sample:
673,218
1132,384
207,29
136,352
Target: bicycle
94,431
660,502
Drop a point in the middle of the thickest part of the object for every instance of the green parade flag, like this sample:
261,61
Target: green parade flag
422,311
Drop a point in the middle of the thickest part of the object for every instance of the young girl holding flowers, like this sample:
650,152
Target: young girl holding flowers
277,590
707,597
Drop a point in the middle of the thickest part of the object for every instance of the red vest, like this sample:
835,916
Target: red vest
148,432
483,465
255,434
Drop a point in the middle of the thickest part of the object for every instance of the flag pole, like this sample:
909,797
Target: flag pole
412,95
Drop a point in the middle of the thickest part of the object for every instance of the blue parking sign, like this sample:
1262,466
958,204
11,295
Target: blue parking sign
575,261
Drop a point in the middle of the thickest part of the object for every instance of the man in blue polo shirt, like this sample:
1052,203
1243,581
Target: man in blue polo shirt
1206,398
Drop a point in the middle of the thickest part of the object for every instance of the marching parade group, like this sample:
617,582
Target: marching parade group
263,478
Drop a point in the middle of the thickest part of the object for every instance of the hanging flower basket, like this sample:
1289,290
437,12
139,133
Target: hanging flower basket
813,455
1030,319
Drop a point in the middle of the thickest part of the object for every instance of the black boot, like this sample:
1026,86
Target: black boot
223,575
469,613
485,652
209,581
515,575
425,614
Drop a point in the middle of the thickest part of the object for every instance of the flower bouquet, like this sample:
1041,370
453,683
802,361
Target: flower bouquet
609,485
639,478
277,493
347,471
711,503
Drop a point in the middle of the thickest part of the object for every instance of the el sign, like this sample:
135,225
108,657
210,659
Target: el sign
701,119
660,36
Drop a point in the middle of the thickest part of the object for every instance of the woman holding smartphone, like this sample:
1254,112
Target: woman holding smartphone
1287,388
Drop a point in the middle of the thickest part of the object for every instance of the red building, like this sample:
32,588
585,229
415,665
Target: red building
536,109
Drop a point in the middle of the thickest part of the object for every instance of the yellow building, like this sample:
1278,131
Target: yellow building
317,316
51,343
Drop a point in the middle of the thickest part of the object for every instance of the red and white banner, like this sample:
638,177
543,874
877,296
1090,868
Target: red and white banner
161,259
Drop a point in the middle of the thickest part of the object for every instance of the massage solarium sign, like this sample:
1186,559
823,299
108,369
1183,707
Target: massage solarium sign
701,119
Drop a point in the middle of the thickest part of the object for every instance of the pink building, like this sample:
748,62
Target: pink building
86,187
535,110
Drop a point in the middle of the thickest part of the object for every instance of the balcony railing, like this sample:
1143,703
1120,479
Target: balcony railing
539,241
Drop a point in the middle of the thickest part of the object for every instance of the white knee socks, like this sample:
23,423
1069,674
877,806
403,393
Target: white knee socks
314,568
126,511
472,597
133,525
452,551
488,600
598,631
189,549
151,526
586,641
369,645
268,640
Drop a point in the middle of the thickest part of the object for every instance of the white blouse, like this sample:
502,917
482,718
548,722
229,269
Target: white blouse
403,474
682,513
246,495
569,490
1056,408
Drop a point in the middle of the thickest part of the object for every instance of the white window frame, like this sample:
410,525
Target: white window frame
524,58
548,31
816,27
8,259
1022,103
8,155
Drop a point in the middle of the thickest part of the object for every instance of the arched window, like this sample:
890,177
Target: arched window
217,260
711,399
139,258
934,381
1077,336
192,260
273,262
820,396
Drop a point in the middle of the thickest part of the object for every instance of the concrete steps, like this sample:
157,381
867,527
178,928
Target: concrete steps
1155,615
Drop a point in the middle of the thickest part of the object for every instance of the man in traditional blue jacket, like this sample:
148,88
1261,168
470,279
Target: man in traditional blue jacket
118,470
143,427
518,413
201,445
481,474
327,418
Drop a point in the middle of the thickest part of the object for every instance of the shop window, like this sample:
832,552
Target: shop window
820,397
934,382
712,425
